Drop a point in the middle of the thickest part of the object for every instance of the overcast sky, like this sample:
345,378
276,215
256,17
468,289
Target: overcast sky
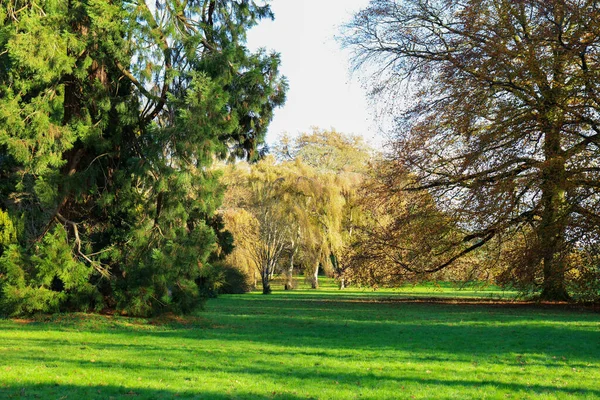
321,91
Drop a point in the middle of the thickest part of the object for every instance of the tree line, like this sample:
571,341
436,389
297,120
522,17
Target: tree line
298,208
325,202
116,117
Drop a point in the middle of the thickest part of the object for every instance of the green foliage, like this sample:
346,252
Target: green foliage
111,114
8,232
235,280
50,280
163,278
211,280
223,278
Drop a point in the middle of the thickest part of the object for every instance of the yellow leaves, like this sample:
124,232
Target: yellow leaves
270,205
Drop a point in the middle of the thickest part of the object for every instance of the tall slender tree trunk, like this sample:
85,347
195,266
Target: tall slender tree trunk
315,278
553,224
338,271
289,284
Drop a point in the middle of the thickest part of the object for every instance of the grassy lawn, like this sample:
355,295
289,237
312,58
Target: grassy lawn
310,345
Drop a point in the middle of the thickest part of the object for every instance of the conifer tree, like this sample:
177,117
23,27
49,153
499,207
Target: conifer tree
110,116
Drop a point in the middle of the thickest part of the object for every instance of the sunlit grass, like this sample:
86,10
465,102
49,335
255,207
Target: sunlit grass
328,286
306,344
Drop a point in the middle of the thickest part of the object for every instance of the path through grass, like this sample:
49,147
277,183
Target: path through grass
308,345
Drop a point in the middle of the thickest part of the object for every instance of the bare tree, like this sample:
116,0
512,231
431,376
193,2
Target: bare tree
501,121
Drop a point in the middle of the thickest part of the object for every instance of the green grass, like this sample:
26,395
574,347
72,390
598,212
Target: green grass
310,344
328,287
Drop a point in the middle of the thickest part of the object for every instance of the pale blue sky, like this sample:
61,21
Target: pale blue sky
322,92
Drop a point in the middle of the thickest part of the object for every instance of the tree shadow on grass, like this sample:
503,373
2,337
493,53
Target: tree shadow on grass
244,332
425,298
467,387
472,338
268,363
102,392
450,328
418,328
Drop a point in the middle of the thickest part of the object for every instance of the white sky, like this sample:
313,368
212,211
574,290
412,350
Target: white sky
321,91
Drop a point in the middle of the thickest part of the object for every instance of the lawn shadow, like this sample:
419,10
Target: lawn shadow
104,392
345,380
314,329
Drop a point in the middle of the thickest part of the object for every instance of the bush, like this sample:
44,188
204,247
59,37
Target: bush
222,278
235,282
584,283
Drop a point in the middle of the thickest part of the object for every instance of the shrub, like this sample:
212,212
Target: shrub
235,282
584,283
223,278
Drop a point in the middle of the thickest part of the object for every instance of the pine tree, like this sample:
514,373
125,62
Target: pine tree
110,116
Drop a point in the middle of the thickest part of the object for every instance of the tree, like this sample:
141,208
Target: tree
401,234
278,209
110,114
322,208
260,212
244,228
326,150
342,162
501,122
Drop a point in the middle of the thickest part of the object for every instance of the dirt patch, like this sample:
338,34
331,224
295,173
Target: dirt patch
173,319
559,305
22,321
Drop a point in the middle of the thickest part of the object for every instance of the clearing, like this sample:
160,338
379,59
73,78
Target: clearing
306,344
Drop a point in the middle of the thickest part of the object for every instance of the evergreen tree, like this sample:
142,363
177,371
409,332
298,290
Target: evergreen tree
110,116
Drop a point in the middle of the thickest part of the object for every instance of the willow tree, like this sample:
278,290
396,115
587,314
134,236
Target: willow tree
321,205
340,164
326,150
283,213
260,211
110,113
500,121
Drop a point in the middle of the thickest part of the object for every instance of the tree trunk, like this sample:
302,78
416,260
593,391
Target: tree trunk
553,225
552,247
315,279
338,271
289,284
266,282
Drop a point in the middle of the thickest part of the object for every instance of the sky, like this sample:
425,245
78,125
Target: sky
322,91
